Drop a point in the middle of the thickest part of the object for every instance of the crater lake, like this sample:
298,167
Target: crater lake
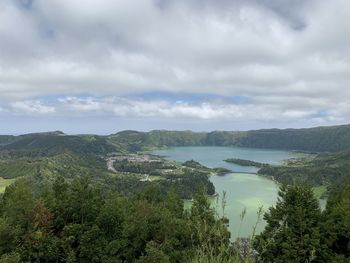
245,190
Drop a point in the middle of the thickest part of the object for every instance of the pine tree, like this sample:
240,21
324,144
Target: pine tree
336,226
292,231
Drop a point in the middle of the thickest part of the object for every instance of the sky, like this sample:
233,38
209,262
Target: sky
101,66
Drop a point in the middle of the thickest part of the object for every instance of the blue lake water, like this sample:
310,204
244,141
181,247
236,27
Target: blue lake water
244,189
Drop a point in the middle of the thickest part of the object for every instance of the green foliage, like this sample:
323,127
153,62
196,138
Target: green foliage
76,222
13,169
152,168
319,139
185,178
53,143
324,169
211,234
13,257
4,183
8,236
335,225
42,157
154,254
17,204
46,168
292,232
5,139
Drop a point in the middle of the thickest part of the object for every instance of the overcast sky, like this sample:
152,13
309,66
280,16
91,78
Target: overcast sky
100,66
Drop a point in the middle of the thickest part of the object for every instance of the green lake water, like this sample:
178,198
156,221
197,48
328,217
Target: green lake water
244,189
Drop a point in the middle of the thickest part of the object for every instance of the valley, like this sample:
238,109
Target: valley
231,180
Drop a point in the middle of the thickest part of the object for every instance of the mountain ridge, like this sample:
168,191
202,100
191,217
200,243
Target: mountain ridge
315,139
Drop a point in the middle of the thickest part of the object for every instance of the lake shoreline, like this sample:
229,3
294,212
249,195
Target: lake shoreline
244,187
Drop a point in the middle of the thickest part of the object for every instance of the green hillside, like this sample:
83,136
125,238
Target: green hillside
323,169
327,169
66,164
43,157
5,139
319,139
136,141
54,143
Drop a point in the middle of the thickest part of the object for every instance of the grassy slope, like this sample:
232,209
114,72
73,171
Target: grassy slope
319,191
4,183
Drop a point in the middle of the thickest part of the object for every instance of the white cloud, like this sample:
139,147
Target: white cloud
291,59
80,105
139,108
31,107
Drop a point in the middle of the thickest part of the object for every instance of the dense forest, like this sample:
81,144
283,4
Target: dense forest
78,222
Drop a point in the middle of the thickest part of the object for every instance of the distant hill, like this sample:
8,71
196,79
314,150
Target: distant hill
66,164
54,153
57,142
319,139
5,139
136,141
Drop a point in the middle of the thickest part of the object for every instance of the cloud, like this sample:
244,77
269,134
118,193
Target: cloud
176,110
31,107
290,58
79,104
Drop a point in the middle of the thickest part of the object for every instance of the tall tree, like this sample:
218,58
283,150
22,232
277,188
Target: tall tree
17,204
336,226
292,231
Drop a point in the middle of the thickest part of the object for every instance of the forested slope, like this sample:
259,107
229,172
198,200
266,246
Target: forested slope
55,142
329,169
43,157
5,139
319,139
77,222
